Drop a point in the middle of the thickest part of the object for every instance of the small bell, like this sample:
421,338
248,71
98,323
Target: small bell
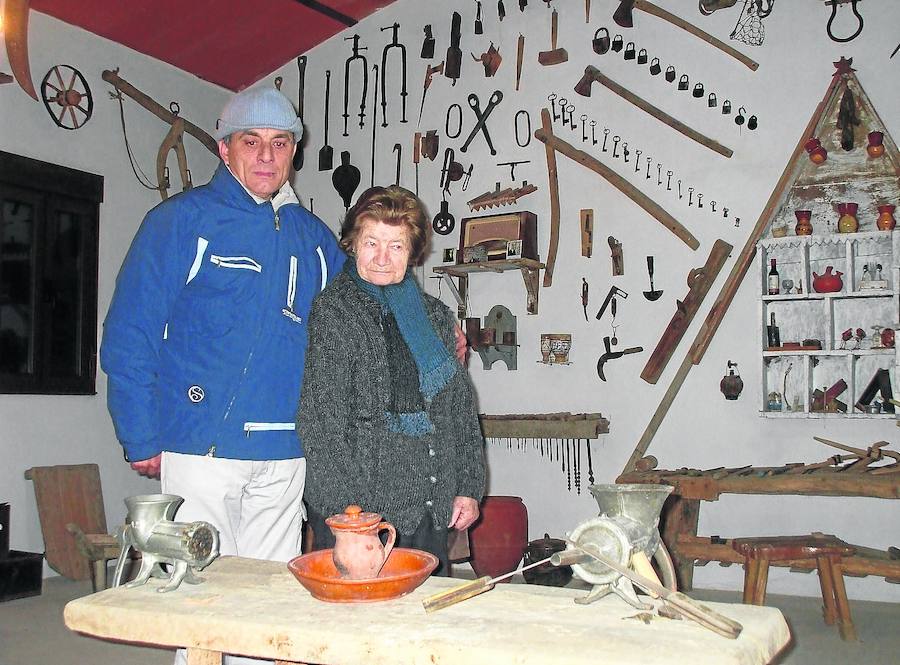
731,384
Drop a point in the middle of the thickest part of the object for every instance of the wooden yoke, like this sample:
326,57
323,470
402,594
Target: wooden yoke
553,182
112,77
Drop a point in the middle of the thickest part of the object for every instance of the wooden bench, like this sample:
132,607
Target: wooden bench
827,551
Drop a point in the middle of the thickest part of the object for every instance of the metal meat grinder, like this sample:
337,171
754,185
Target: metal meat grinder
184,547
626,532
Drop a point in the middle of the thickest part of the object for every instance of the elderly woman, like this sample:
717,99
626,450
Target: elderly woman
387,414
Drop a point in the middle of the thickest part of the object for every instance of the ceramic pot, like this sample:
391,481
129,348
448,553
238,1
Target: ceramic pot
731,384
817,154
497,540
546,574
847,223
804,225
828,282
876,144
358,553
886,221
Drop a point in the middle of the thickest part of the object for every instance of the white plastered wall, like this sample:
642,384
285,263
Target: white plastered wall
38,430
702,429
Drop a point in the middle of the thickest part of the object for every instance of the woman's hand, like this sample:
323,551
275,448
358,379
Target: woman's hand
465,512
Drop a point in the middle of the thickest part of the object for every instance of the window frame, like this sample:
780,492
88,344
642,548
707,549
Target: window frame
58,189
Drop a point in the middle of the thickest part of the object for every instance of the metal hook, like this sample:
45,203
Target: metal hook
834,7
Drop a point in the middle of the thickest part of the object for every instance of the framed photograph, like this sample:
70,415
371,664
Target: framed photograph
514,249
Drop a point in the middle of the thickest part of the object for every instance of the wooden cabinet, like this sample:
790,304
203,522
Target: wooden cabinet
868,301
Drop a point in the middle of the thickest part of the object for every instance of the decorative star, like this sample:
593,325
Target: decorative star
844,66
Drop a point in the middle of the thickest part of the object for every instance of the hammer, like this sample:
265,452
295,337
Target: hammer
555,55
623,16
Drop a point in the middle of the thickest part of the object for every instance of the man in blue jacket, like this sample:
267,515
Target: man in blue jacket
205,339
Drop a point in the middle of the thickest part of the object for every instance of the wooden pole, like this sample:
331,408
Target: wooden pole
726,295
555,144
112,77
553,182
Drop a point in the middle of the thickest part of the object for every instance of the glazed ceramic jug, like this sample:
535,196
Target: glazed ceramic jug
358,552
847,223
804,225
886,221
828,282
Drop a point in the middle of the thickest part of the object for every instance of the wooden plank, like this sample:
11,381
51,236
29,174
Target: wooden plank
700,281
64,494
523,426
885,486
203,657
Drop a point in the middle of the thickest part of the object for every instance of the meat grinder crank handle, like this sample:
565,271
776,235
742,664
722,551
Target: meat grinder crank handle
683,603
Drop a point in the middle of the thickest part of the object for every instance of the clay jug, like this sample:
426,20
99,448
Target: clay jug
804,225
497,540
847,223
358,553
829,281
886,221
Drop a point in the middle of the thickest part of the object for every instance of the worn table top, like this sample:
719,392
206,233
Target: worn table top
256,608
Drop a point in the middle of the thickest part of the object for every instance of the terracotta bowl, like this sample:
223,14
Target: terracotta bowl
404,570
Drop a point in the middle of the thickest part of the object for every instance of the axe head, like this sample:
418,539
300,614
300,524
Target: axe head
583,87
623,16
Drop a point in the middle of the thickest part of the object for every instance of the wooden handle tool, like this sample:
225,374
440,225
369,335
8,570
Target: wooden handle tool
463,592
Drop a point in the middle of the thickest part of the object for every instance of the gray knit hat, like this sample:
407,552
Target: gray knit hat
258,108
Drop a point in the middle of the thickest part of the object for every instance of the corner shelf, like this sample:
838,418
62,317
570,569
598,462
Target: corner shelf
811,315
530,269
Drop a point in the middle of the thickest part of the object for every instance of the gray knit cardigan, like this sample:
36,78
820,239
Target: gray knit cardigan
352,458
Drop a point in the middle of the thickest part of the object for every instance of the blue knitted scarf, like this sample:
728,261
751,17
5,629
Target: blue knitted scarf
436,366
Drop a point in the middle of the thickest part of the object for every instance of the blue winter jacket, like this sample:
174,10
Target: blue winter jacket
205,339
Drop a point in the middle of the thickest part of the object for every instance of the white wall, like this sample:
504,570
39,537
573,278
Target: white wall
40,430
702,430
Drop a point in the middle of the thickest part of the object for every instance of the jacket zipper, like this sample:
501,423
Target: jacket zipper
268,427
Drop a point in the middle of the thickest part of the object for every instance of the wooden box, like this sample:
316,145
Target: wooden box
494,232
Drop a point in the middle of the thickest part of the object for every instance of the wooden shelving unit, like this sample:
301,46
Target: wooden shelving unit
529,268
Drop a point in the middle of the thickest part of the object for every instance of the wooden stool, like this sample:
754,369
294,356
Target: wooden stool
826,550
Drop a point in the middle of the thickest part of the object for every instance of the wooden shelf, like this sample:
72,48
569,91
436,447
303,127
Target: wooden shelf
544,426
530,269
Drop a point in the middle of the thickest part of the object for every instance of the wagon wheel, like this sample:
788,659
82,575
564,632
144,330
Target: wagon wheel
69,104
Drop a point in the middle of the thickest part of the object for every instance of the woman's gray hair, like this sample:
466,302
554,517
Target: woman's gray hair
395,206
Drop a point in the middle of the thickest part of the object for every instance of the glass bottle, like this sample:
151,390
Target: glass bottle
773,281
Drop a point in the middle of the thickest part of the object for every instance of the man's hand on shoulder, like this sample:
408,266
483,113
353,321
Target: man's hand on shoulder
461,345
148,467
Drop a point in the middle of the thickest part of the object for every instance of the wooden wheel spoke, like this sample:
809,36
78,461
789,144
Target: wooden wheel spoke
59,77
55,89
71,85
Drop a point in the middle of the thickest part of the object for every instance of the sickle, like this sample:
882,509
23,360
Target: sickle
495,99
15,25
834,8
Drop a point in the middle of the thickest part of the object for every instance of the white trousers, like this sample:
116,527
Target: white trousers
256,506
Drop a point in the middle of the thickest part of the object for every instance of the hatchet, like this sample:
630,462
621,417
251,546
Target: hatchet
624,17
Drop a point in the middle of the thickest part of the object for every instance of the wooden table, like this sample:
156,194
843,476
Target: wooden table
681,514
256,608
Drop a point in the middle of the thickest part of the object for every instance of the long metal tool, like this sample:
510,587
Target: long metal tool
555,144
365,82
301,68
482,117
591,74
683,603
430,71
326,152
384,54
